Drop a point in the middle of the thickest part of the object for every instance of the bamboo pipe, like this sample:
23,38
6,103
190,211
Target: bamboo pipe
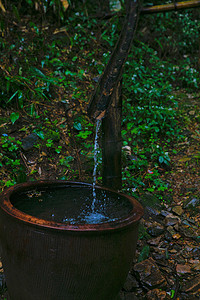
112,142
170,7
106,101
101,98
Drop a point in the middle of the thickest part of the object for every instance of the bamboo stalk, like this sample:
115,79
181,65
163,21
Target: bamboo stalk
170,7
101,99
112,142
106,101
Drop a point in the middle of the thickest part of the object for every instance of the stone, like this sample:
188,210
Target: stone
159,256
154,241
168,236
171,230
156,294
152,211
131,283
149,274
163,245
196,252
166,270
191,285
156,229
185,222
173,251
196,267
164,213
195,264
176,226
194,261
29,141
183,269
188,231
178,210
188,248
191,220
193,203
177,247
171,220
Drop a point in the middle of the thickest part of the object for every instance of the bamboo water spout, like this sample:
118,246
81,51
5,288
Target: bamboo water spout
101,99
106,101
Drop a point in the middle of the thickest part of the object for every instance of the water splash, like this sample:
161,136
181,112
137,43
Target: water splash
96,151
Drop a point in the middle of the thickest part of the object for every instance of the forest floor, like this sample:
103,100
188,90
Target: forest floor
172,230
167,264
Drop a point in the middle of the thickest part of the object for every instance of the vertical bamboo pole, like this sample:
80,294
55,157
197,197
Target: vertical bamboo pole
111,142
106,102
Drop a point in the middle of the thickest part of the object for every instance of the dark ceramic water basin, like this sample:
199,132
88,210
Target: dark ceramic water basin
48,259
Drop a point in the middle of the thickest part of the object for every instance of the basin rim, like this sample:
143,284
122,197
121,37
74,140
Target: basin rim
6,206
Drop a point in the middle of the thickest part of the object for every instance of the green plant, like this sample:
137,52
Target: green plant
10,162
143,234
14,116
58,66
149,117
144,254
66,161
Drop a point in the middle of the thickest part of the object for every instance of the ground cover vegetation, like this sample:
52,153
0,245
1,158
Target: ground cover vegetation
51,61
52,56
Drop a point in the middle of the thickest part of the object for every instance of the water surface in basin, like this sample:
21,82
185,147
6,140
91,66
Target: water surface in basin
72,205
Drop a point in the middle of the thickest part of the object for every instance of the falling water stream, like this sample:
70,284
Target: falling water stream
96,151
74,204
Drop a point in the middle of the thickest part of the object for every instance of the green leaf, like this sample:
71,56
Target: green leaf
9,183
65,161
40,134
67,72
14,117
77,126
35,27
16,12
30,2
144,253
12,97
161,159
37,72
84,134
172,293
20,71
32,109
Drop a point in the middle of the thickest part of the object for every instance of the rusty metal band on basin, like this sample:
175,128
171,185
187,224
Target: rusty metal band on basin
48,260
